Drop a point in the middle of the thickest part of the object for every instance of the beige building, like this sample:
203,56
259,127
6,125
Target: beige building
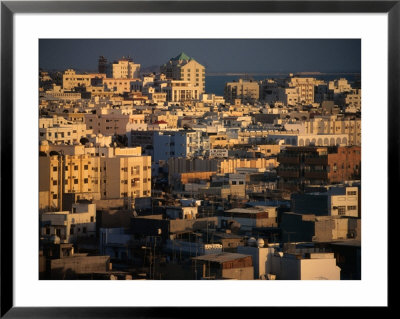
336,125
305,88
118,85
124,68
72,226
246,91
72,80
64,133
125,176
94,177
231,164
110,124
181,91
339,86
67,174
185,68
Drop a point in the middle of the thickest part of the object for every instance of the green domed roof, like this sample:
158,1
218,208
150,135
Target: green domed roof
182,56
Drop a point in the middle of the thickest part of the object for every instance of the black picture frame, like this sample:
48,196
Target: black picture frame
9,8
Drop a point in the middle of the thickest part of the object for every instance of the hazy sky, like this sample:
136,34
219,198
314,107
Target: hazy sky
217,55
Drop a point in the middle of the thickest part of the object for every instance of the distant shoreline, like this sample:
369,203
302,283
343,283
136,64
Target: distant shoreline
281,73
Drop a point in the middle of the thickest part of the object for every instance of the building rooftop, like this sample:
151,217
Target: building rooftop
182,56
221,257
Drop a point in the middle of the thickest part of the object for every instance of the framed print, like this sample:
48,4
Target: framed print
196,154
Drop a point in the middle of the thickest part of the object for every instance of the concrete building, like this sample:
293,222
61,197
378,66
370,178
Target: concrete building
249,218
246,91
125,176
65,133
309,266
223,266
184,68
261,255
70,227
182,212
181,91
301,166
71,79
58,261
304,87
312,228
298,139
60,174
109,124
336,201
349,125
123,68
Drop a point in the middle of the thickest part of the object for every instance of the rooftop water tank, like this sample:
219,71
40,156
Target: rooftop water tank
260,242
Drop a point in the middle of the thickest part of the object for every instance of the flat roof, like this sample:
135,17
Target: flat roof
221,257
355,243
245,210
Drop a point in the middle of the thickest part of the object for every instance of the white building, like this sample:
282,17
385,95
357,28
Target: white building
262,257
309,266
70,226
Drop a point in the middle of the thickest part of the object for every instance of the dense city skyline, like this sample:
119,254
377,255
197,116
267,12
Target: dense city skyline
152,168
217,55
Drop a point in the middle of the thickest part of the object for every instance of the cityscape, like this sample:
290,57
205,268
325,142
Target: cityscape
160,163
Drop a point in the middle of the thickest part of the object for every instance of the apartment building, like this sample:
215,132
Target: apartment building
335,201
247,91
301,166
60,174
349,125
184,68
71,79
125,176
70,226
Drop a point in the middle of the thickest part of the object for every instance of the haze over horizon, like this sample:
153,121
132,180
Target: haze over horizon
217,55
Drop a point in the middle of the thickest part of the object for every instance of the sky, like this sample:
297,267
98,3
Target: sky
217,55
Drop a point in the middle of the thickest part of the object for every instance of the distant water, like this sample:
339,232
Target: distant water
216,83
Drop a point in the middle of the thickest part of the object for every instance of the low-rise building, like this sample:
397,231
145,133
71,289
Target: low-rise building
311,228
336,201
72,226
308,266
249,218
223,266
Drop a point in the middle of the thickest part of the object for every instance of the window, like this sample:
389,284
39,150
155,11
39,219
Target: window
86,180
351,193
76,167
341,210
86,167
54,168
54,196
91,219
351,207
54,182
75,181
